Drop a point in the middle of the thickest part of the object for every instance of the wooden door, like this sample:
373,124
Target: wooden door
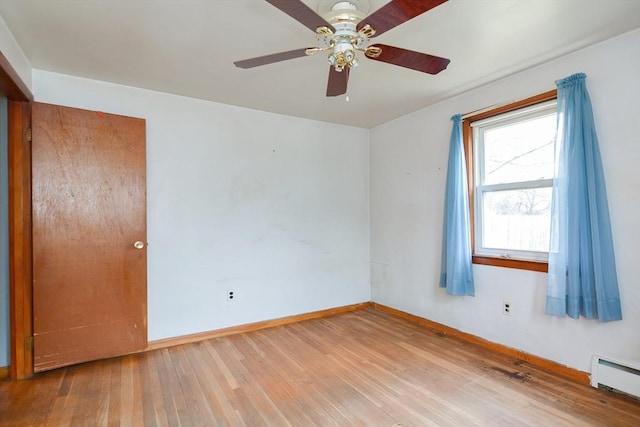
89,210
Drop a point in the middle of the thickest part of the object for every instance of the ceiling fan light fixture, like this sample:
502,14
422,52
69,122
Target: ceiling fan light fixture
343,53
340,29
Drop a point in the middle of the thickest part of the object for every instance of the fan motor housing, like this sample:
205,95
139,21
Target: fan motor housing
341,10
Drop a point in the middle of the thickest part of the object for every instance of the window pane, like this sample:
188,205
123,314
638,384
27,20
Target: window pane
517,219
522,151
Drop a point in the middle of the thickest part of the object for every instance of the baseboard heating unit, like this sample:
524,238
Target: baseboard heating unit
619,375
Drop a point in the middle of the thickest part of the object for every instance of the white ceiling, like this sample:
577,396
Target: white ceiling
188,47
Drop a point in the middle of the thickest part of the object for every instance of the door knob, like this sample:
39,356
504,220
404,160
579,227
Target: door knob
138,245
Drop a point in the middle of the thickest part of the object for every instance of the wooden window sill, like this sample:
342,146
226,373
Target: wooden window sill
511,263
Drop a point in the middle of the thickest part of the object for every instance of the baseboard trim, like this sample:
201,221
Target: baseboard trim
201,336
4,372
540,362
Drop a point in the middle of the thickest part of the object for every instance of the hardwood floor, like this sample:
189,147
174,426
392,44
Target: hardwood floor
363,368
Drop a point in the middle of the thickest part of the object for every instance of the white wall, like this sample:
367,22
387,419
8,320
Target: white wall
14,54
408,173
274,208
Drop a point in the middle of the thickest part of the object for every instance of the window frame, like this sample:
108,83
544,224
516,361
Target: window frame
468,141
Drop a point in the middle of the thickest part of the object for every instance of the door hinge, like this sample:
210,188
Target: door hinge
27,134
28,343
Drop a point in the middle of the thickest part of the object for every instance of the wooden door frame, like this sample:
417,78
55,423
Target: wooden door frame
20,254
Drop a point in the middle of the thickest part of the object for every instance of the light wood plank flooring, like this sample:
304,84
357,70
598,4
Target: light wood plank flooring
364,368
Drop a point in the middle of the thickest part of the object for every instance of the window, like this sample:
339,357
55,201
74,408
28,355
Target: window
510,157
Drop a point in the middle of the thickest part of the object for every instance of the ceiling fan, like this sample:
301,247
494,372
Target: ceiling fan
343,29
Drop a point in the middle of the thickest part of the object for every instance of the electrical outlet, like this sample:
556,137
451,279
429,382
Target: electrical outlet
230,295
507,308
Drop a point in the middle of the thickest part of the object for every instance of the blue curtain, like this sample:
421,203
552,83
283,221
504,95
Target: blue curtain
456,273
582,277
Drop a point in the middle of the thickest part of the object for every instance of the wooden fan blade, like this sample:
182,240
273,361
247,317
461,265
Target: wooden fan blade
397,12
301,13
337,84
409,59
270,59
